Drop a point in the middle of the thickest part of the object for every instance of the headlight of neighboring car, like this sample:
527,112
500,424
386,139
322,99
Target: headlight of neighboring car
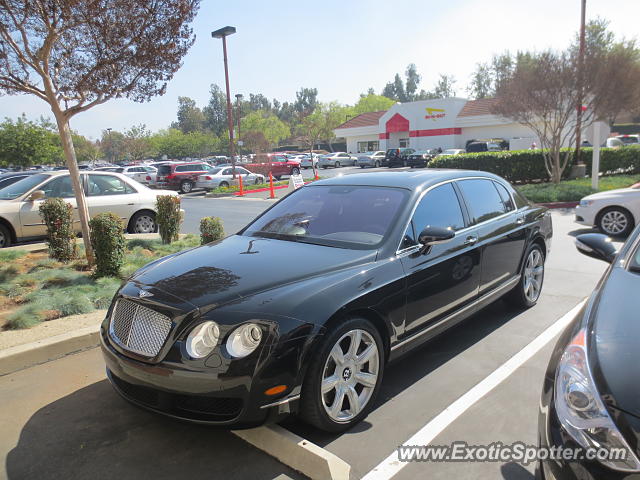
581,410
244,340
586,203
202,339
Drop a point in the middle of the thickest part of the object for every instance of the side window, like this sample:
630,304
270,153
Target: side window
227,171
106,185
482,199
520,200
439,208
505,197
59,187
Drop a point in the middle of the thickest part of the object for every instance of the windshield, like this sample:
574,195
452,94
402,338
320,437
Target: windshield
340,216
628,140
450,152
215,171
21,187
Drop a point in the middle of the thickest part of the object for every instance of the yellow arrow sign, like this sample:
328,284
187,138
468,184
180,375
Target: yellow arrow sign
431,111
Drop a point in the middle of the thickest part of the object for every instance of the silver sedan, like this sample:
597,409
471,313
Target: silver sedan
223,177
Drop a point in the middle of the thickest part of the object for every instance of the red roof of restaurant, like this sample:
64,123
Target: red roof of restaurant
481,106
363,120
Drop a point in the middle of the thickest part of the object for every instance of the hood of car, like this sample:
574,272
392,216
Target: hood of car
240,266
619,192
614,352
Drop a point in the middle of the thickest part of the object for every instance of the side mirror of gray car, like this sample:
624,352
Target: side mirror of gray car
434,235
36,195
596,245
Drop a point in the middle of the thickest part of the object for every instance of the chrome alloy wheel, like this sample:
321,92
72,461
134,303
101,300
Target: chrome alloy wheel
350,375
614,222
533,275
144,224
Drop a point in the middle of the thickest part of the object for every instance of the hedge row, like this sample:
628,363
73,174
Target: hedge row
528,165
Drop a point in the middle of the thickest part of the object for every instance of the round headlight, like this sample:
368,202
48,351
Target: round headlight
244,340
203,339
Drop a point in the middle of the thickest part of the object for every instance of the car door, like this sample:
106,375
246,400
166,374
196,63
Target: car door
502,231
447,277
58,187
109,193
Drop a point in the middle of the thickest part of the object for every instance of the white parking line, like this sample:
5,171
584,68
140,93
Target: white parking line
391,465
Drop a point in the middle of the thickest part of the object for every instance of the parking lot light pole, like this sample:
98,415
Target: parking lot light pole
239,114
223,33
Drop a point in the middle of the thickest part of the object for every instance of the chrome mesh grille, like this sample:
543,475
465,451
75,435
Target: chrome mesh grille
138,328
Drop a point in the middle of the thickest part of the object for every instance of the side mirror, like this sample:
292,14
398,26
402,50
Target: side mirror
596,245
433,236
36,195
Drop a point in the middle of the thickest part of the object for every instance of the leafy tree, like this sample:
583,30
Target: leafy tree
272,128
215,112
24,143
175,144
190,117
412,81
112,145
395,90
481,82
86,150
501,70
542,95
306,101
76,55
136,144
444,87
372,103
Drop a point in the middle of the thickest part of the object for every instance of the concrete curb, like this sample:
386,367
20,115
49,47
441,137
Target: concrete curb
296,452
23,356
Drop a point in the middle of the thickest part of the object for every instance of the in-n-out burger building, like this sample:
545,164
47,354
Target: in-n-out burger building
444,123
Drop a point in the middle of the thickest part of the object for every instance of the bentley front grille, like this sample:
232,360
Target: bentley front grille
138,328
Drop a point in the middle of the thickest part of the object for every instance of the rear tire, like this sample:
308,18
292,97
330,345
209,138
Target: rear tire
336,165
295,171
343,371
361,166
223,184
527,292
377,164
143,222
5,237
186,186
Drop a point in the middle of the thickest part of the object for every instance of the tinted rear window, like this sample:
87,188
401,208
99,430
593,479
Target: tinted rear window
482,199
164,169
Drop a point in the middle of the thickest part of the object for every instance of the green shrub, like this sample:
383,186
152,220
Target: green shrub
211,229
168,217
61,238
25,317
522,166
8,272
108,242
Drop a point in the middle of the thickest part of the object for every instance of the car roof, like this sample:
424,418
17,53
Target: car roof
405,179
18,174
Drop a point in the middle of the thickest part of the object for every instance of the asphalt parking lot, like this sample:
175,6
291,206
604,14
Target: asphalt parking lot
73,425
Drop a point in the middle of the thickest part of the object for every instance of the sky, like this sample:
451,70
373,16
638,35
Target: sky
343,48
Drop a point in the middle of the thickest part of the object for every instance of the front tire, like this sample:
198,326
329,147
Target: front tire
377,164
336,165
344,377
527,292
223,185
295,171
615,221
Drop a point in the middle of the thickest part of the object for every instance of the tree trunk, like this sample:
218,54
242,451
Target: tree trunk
72,165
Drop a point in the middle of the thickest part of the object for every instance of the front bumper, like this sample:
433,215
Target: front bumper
220,393
585,216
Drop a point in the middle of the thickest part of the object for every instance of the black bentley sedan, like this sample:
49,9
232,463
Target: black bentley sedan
300,311
591,394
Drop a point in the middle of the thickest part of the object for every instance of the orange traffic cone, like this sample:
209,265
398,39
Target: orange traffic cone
272,193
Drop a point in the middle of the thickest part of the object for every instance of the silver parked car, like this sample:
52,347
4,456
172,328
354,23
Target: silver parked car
145,174
223,177
371,159
307,161
337,160
105,192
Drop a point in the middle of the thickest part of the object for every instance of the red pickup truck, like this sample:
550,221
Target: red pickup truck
275,163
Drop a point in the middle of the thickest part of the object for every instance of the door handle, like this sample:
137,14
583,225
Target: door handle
471,240
520,220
